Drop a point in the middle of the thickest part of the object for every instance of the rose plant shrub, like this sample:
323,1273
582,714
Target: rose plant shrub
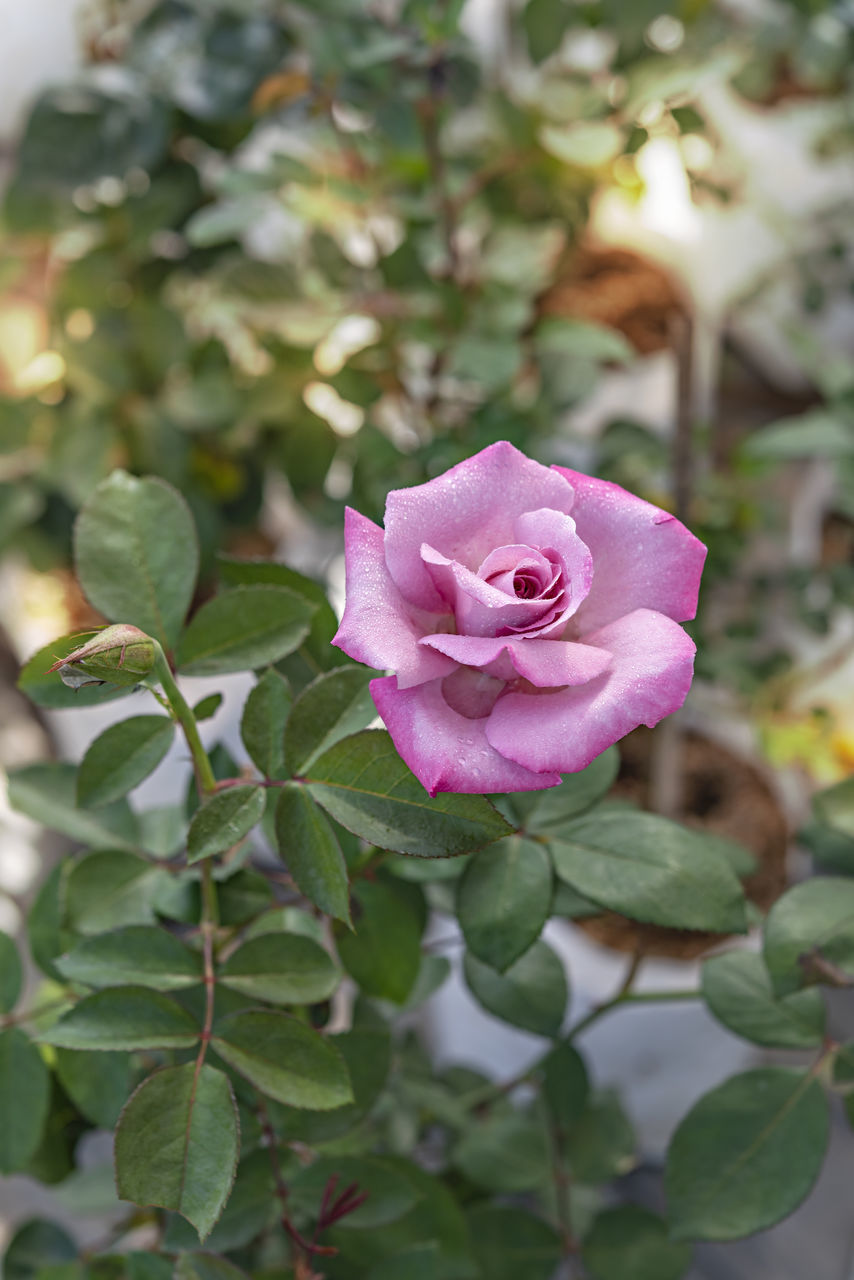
530,615
268,1119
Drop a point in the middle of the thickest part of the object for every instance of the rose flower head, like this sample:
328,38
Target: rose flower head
530,615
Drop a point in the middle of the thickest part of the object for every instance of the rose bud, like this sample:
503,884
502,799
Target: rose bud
120,654
529,615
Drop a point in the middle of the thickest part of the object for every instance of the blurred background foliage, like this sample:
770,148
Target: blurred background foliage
288,255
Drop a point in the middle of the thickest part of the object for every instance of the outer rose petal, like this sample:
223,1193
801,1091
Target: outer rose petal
650,678
547,664
465,514
643,558
378,627
444,750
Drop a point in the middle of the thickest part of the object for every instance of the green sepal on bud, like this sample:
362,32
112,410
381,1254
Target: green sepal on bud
119,654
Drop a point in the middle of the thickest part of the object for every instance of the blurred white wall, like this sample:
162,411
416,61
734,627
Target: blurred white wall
39,45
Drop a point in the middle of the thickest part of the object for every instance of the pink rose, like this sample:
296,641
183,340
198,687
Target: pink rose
530,615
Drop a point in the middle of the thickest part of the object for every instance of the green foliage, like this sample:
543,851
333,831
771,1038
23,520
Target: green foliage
11,973
284,1059
136,554
281,969
262,727
121,757
650,869
746,1154
177,1143
810,927
309,848
136,955
244,627
124,1018
503,900
24,1089
363,783
334,706
630,1243
224,820
532,993
383,953
737,988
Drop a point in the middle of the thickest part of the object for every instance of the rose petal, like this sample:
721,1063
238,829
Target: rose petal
444,750
653,661
378,626
643,558
545,663
479,608
555,532
505,565
464,514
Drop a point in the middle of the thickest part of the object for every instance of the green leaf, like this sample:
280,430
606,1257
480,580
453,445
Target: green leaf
831,849
363,783
510,1243
566,1088
503,900
97,1083
316,653
206,1266
334,706
433,973
651,869
246,1214
811,924
46,689
545,22
163,830
573,906
601,1144
124,1018
383,954
207,707
577,792
145,1265
45,933
106,890
817,433
282,969
630,1243
262,727
24,1095
137,955
419,1262
532,994
244,628
310,850
367,1054
737,988
506,1152
390,1195
46,793
243,895
11,974
224,820
746,1154
284,1059
120,757
835,806
137,555
177,1143
35,1246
